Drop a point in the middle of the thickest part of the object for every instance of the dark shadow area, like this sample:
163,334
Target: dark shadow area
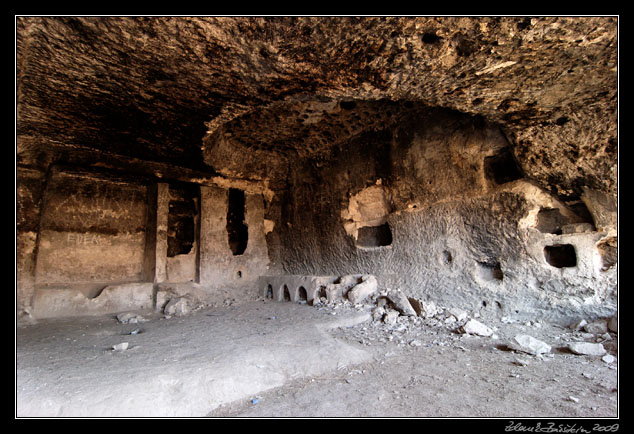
502,168
561,255
374,236
237,230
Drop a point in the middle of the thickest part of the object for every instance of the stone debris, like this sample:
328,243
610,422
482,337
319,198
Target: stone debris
363,290
457,313
530,345
613,324
178,306
131,318
579,325
474,327
573,399
428,309
424,309
390,317
596,327
608,358
378,313
333,292
587,348
450,319
120,347
401,302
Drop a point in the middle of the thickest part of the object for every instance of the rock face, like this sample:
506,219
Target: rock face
426,151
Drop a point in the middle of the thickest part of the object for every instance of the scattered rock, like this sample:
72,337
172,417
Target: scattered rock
596,327
400,302
130,318
586,348
613,324
390,317
529,344
178,306
378,313
608,358
350,280
363,290
120,347
578,325
458,313
474,327
573,399
428,309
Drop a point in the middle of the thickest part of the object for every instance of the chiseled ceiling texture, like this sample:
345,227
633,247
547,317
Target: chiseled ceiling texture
185,91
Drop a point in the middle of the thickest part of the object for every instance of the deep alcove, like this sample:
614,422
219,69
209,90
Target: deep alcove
237,230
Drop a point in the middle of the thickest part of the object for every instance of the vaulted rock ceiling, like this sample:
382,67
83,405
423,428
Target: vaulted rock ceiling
244,96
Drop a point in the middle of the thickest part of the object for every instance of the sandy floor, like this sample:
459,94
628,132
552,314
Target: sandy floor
272,359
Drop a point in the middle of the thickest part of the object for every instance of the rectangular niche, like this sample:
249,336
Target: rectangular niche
237,230
181,226
374,236
561,255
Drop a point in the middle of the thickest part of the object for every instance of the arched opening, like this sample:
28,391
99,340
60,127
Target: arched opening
301,293
287,294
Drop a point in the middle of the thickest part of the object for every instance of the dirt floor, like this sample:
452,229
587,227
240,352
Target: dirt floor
286,360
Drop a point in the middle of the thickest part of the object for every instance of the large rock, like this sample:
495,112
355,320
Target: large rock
474,327
424,309
457,313
530,345
401,302
179,306
363,290
587,348
598,327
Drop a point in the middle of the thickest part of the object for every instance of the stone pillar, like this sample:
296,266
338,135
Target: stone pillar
156,233
218,266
